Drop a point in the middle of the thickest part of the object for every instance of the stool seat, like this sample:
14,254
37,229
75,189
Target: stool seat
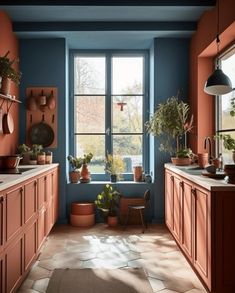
136,207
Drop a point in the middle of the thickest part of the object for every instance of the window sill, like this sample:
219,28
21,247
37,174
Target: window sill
112,183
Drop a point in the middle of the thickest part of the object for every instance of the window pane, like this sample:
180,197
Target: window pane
129,147
89,75
94,144
227,155
127,75
226,121
89,114
127,114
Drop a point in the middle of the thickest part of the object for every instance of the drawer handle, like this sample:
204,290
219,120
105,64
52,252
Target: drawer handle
193,191
172,178
181,184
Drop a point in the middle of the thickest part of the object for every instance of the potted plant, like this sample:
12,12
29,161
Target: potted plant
115,166
228,143
36,148
171,123
76,164
7,72
85,174
24,152
107,201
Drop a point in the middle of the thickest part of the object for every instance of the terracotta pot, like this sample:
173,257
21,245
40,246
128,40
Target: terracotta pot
138,173
41,159
74,176
6,85
82,220
82,208
112,221
203,160
181,161
234,156
85,174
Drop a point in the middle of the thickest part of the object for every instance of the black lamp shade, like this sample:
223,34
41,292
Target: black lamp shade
218,83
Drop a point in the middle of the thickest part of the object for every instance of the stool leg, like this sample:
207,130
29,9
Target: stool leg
142,220
127,218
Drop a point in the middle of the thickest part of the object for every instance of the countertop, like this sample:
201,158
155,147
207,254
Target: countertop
8,180
193,173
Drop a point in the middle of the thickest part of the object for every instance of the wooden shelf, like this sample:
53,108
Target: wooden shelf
8,98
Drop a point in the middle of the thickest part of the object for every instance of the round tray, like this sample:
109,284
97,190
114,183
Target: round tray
214,175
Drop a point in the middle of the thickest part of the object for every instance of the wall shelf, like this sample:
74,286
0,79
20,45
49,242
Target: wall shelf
9,99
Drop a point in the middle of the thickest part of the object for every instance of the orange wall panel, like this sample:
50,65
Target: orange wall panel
202,55
9,42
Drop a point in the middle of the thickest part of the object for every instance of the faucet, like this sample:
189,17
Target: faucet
208,139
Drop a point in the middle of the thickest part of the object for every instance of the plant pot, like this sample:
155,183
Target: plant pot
138,173
74,176
233,156
85,174
112,221
113,178
181,161
5,87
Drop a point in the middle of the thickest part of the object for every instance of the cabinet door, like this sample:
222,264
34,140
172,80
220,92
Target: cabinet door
41,191
1,273
14,269
177,207
14,215
169,200
2,212
30,245
41,228
30,201
187,219
202,234
55,196
49,190
49,217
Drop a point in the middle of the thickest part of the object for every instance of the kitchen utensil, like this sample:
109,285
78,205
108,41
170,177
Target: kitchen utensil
42,99
8,123
10,162
41,133
31,104
51,101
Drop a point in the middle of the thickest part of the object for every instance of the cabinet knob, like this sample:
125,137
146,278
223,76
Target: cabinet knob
1,199
181,183
172,178
193,191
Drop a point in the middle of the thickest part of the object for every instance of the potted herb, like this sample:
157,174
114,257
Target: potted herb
85,174
36,148
24,152
107,201
228,143
75,164
8,73
115,166
171,123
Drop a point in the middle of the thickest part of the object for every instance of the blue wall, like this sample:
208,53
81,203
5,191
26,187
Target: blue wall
44,62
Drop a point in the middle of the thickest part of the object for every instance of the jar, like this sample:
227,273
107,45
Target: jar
48,158
41,158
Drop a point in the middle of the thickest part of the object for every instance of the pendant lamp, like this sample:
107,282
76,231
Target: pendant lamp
218,83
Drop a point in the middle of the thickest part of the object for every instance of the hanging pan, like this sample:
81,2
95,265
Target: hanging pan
41,133
8,122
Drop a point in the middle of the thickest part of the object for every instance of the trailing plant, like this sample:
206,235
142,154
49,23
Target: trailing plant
170,123
7,70
107,200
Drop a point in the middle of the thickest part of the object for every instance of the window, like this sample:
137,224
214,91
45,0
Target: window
225,121
109,108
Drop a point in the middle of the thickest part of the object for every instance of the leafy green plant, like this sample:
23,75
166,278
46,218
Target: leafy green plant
170,123
75,163
114,165
7,70
228,141
86,159
107,200
23,148
37,148
232,112
184,153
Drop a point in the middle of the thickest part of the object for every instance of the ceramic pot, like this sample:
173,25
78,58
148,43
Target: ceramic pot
138,170
203,160
112,221
41,159
6,85
180,161
85,174
113,178
74,176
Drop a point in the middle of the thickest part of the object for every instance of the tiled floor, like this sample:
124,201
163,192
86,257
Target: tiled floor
99,246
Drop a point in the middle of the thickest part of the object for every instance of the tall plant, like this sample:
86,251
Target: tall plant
170,123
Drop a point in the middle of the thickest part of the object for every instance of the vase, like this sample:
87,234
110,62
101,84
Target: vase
138,170
74,176
5,87
113,178
85,174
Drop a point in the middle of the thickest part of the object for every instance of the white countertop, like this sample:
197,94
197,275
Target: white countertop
8,180
206,182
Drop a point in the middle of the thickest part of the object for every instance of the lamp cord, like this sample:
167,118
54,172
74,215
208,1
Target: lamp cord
217,36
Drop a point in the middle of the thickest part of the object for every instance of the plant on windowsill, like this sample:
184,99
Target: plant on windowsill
171,123
115,166
85,174
75,164
228,143
108,201
8,73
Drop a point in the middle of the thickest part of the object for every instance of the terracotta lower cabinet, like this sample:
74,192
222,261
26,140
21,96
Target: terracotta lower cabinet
28,211
202,223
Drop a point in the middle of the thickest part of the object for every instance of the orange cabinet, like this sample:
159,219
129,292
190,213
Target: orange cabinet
28,211
169,199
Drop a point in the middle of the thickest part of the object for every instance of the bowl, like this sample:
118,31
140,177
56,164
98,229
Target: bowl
9,162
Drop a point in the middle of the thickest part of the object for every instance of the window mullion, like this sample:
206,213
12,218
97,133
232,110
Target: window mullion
108,105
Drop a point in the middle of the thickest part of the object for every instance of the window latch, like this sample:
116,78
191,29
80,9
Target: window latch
108,131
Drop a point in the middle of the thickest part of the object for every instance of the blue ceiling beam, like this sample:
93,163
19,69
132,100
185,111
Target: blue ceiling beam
104,26
109,2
